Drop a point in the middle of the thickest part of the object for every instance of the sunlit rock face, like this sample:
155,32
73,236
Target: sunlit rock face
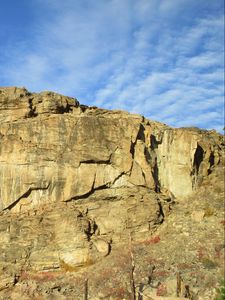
54,149
79,184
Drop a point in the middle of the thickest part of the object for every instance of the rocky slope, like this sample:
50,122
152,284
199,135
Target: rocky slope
99,204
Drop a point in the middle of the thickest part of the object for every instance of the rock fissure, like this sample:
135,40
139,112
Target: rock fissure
32,109
140,136
25,195
117,178
97,162
155,174
88,194
161,214
198,158
60,109
154,143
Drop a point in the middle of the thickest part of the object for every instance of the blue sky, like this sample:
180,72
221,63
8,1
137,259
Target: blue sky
163,59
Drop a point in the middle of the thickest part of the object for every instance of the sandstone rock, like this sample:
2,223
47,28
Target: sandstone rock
198,215
87,191
6,282
102,246
62,151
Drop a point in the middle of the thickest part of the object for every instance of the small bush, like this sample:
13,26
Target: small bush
221,291
209,264
209,211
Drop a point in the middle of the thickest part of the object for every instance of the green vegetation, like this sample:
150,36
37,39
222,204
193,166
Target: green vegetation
209,264
221,291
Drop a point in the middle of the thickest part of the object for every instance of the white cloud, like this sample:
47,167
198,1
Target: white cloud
158,58
205,60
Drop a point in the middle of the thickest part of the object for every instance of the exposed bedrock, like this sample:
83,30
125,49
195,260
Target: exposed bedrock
54,149
108,195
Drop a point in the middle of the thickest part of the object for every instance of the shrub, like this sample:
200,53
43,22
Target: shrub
209,264
221,291
209,211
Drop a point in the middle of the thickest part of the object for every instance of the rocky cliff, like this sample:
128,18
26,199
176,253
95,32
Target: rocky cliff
93,202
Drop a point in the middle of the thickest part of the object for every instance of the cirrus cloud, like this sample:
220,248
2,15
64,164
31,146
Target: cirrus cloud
162,59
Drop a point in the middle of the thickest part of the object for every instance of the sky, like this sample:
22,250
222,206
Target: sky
163,59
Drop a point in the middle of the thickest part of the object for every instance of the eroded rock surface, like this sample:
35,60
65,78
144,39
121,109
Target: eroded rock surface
63,151
85,189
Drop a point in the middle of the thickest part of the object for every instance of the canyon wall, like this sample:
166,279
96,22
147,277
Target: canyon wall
85,190
54,149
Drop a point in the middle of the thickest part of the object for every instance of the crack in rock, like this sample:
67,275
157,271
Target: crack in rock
25,195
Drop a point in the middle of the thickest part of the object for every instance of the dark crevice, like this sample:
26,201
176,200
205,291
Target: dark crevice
95,227
60,109
211,162
148,283
154,142
93,189
141,133
161,215
147,155
140,291
88,194
211,159
143,174
25,195
92,161
155,170
118,177
198,158
32,109
91,230
149,158
140,136
132,148
83,107
155,174
131,168
152,160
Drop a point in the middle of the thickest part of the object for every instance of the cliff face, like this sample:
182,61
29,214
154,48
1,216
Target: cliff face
53,149
78,182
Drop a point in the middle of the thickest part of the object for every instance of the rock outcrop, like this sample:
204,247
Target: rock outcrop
53,149
79,185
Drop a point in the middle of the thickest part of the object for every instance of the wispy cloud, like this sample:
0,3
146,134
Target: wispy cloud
162,59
